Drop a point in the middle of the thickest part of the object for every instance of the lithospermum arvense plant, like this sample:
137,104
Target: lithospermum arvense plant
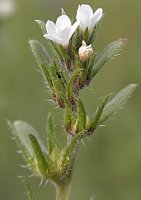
72,52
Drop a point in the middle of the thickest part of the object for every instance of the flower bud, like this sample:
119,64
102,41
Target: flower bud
85,51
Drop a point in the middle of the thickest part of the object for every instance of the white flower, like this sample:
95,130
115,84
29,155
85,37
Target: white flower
86,18
85,51
61,31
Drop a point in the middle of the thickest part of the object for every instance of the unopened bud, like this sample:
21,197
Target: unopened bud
85,51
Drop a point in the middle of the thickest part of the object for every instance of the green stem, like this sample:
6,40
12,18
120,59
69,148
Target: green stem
63,191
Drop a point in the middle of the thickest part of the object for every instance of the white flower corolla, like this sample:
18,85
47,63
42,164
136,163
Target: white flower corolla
85,51
87,18
61,31
7,8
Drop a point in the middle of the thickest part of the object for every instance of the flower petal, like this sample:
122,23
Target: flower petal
62,22
73,28
96,17
65,36
54,39
84,10
50,27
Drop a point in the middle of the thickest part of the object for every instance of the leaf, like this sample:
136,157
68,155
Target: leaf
46,75
39,155
99,112
81,116
117,102
40,53
28,188
58,85
67,117
69,153
22,130
109,52
42,25
51,141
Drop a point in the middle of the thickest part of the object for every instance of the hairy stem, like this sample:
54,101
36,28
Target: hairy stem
63,191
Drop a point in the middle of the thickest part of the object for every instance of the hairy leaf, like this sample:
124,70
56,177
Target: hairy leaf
117,102
28,188
99,112
40,53
81,115
39,155
51,141
42,25
22,130
109,52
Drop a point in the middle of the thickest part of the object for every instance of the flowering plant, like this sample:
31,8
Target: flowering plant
72,50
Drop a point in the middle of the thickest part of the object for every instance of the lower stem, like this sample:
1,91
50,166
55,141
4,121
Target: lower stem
63,191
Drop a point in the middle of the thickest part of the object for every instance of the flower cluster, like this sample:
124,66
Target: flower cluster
61,31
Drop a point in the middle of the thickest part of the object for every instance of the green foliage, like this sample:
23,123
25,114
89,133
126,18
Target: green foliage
51,141
109,52
40,53
99,112
81,119
41,25
69,153
39,156
117,102
21,130
28,188
52,162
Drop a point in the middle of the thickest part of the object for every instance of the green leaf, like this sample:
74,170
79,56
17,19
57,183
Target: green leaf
81,115
51,141
67,117
42,25
39,155
40,53
22,130
117,102
99,112
58,84
28,188
109,52
69,153
46,76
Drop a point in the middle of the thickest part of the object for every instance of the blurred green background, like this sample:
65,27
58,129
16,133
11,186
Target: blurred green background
109,165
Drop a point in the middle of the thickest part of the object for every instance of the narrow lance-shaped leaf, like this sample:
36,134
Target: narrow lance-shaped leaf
39,156
67,117
46,75
81,115
109,52
39,52
23,150
99,112
69,153
51,141
28,188
21,131
117,102
42,59
42,25
58,85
